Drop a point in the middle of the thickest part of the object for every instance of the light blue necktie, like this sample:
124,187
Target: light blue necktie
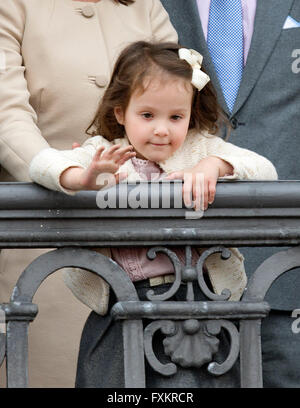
225,44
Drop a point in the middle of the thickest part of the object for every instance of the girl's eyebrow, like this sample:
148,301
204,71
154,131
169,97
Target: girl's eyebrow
178,110
153,107
146,107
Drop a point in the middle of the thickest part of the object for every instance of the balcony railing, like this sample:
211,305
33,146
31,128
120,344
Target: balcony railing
243,214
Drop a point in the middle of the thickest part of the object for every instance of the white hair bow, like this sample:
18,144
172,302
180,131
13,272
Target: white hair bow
194,58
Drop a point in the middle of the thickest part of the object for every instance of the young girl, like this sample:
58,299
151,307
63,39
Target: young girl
158,116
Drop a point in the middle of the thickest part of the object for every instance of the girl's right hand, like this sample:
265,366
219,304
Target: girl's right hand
103,166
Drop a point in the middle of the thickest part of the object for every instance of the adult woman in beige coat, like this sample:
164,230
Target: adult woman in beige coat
56,58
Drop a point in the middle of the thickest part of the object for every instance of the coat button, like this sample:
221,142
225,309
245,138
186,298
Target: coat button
101,81
88,11
234,123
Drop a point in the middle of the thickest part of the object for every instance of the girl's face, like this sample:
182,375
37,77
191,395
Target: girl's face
157,121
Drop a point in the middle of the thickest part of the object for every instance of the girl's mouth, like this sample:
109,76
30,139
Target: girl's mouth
159,144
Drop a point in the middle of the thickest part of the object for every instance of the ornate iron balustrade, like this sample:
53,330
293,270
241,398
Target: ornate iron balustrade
243,214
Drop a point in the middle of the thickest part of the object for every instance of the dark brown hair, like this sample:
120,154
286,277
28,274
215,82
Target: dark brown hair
139,61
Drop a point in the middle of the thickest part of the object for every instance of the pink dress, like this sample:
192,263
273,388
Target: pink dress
134,260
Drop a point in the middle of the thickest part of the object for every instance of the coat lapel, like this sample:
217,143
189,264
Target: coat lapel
267,28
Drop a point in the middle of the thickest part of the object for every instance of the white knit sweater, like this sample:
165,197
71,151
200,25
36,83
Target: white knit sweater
49,164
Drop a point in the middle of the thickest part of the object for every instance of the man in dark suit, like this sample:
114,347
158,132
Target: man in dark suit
265,118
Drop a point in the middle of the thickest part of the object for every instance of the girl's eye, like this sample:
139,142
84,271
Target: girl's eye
175,117
147,115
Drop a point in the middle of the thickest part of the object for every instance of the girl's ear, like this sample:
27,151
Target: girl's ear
118,111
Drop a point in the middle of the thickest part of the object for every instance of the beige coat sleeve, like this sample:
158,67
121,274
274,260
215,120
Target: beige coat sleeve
20,135
18,121
161,27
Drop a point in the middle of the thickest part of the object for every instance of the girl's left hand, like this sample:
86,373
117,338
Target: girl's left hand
200,181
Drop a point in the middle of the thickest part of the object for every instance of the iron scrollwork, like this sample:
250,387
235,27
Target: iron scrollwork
191,342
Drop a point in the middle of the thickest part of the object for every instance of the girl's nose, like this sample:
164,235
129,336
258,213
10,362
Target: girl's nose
161,130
